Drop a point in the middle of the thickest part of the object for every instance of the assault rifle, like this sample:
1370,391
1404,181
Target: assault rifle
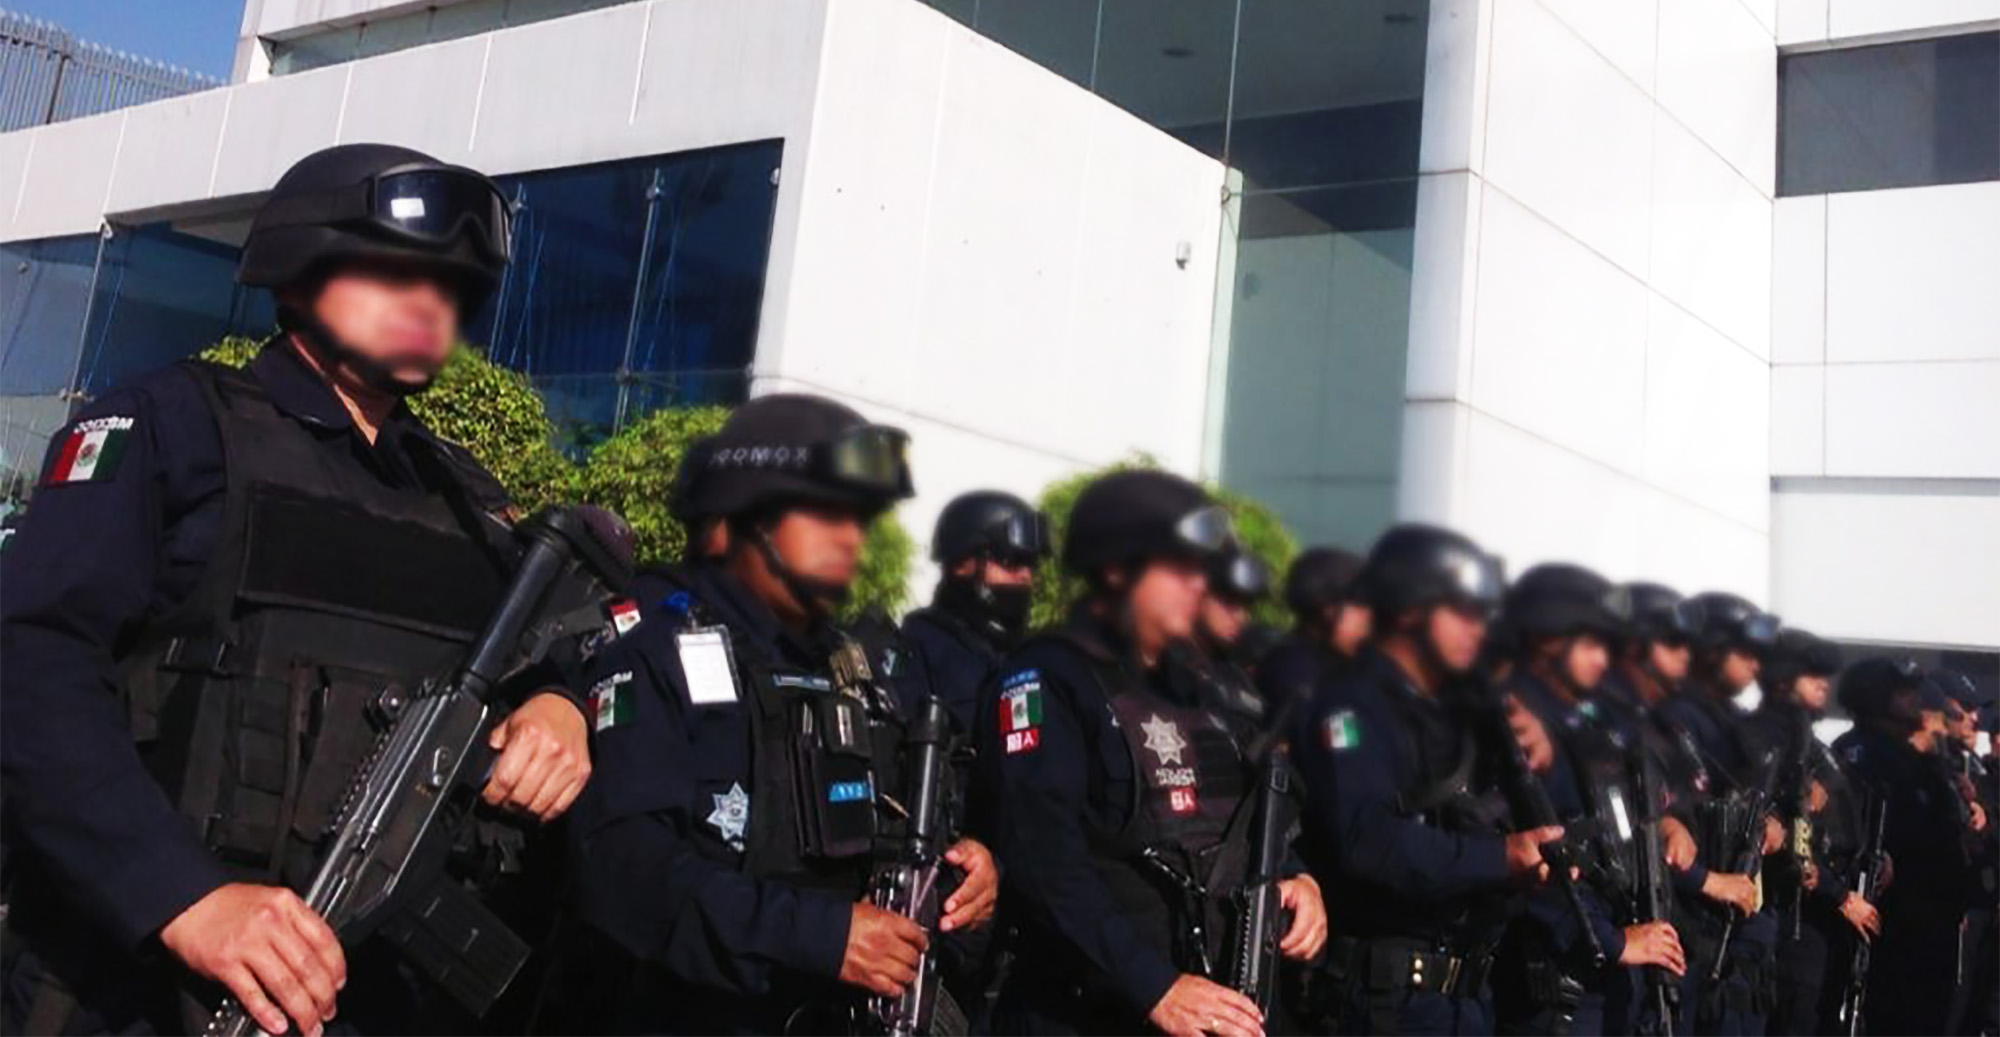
1653,891
1868,885
384,871
1260,916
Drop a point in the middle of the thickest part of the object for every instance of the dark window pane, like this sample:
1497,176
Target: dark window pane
1167,61
1326,93
44,289
1899,115
162,295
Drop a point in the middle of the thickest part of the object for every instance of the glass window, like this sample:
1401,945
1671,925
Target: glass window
1898,115
318,50
636,284
388,35
162,295
1168,61
44,290
1060,35
1319,333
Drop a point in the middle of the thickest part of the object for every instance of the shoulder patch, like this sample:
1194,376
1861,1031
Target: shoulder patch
91,451
1341,730
611,701
1021,711
624,615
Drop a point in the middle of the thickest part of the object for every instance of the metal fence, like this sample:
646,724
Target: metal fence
48,75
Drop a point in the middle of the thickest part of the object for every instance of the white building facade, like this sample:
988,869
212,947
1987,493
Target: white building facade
1536,269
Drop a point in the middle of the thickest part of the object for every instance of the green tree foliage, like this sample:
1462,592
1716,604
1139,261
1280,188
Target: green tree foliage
500,417
1257,526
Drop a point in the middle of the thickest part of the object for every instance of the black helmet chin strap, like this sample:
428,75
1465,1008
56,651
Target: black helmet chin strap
332,352
818,597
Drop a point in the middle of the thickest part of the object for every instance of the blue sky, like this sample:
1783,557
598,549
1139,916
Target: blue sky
195,34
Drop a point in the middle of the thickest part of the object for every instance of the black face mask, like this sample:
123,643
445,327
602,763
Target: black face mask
998,612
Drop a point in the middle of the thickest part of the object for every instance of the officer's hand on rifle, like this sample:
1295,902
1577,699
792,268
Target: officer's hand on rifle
1531,736
1524,852
277,957
1809,876
1194,1006
971,905
1307,935
883,950
544,760
1816,799
1774,834
1654,943
1678,843
1737,891
1862,916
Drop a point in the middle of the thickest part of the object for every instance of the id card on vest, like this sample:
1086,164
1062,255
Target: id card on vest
706,663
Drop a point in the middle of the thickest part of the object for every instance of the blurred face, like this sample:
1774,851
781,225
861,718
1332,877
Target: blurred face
1811,690
1965,728
1222,621
400,315
1351,628
1585,661
995,573
1934,726
1165,600
822,545
1669,660
1739,669
1456,633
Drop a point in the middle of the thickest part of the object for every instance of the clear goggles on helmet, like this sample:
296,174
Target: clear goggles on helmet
1020,539
1206,529
1478,581
1243,578
428,205
1761,629
871,458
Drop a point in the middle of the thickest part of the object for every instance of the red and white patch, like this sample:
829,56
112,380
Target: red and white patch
1023,741
624,615
1181,801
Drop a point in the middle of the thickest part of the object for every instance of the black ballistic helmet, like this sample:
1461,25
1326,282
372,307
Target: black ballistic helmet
382,202
1416,566
1868,688
1140,514
788,449
1962,689
1797,653
1656,613
993,524
1557,599
1320,578
1728,621
1238,577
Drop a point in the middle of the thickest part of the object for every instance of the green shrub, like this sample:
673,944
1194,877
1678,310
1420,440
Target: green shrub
1257,526
631,472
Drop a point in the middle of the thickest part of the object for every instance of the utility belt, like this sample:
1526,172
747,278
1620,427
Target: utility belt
1404,965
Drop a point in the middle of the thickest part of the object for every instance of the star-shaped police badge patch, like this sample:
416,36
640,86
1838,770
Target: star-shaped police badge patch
1163,738
731,815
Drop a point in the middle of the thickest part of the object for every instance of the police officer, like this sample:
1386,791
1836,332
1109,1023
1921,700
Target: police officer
1913,966
1398,826
1119,789
1237,581
987,544
1565,625
221,572
1807,881
1976,1009
1329,626
744,777
1731,768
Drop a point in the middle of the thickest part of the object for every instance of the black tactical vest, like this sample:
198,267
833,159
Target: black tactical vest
1185,847
328,596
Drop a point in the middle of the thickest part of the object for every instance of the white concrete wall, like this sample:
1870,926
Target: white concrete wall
1590,336
989,256
964,243
1885,414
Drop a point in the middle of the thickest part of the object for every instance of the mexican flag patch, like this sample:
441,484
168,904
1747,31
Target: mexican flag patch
624,615
610,703
1021,711
91,452
1341,730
